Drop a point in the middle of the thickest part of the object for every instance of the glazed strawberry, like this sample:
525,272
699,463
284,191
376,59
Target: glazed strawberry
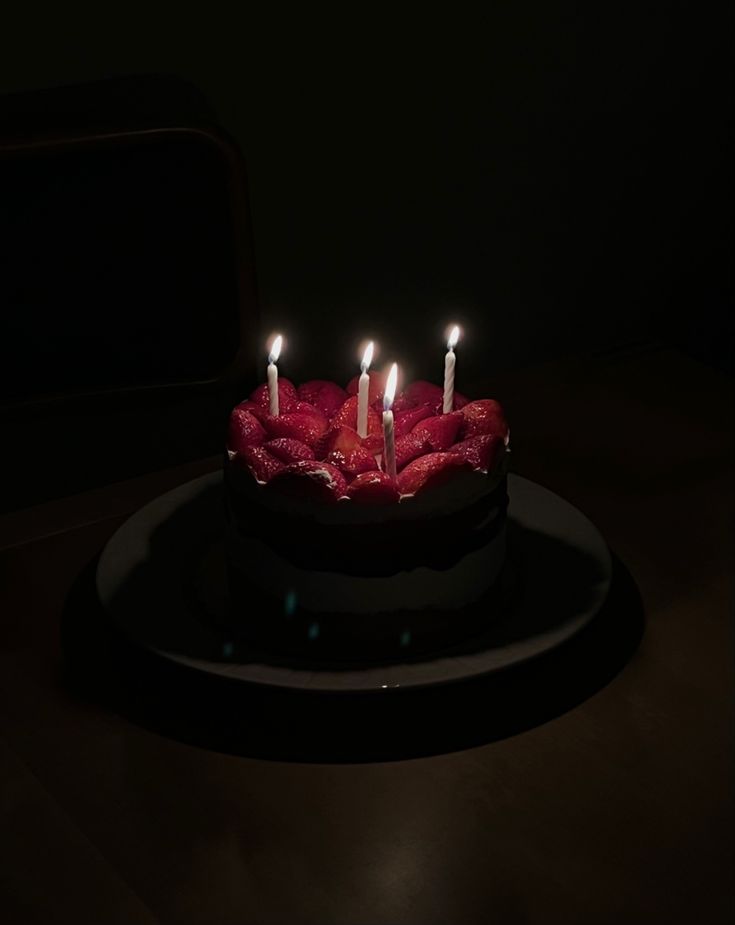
373,488
430,471
244,430
303,407
307,428
310,480
410,447
347,415
483,417
401,403
482,452
288,450
327,397
425,393
440,431
428,393
339,439
373,443
258,411
286,395
376,388
352,462
261,463
405,421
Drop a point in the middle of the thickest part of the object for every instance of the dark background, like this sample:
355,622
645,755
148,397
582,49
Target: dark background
556,177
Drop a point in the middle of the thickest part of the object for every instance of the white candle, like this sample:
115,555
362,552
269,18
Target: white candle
449,364
272,372
363,392
389,448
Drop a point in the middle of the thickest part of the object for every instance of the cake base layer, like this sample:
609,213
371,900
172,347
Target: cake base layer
326,591
278,625
152,582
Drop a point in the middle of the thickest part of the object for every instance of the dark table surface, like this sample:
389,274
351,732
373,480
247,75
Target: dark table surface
618,811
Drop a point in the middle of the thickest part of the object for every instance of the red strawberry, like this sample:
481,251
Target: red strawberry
376,388
481,452
341,439
430,471
303,407
440,431
288,450
425,393
310,480
243,430
405,421
428,393
401,403
286,395
410,447
373,488
327,397
483,417
307,428
257,411
260,462
347,414
373,443
352,462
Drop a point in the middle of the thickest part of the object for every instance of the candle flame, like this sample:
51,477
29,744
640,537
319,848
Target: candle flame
275,350
453,337
367,357
390,388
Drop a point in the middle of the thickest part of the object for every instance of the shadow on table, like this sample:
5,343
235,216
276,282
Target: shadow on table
249,720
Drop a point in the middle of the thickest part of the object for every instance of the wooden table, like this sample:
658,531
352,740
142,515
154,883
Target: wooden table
619,811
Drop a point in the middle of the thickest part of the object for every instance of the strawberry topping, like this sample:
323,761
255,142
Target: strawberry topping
483,417
428,393
288,450
339,438
405,421
310,480
261,463
306,428
352,462
482,452
373,488
410,447
244,430
327,397
311,449
430,471
440,431
347,414
286,395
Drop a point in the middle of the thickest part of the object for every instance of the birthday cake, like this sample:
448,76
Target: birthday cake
327,549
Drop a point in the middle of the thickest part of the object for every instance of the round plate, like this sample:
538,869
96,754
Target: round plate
149,580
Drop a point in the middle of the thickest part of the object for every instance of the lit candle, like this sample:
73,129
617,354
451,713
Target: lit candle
449,364
389,449
363,392
275,352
